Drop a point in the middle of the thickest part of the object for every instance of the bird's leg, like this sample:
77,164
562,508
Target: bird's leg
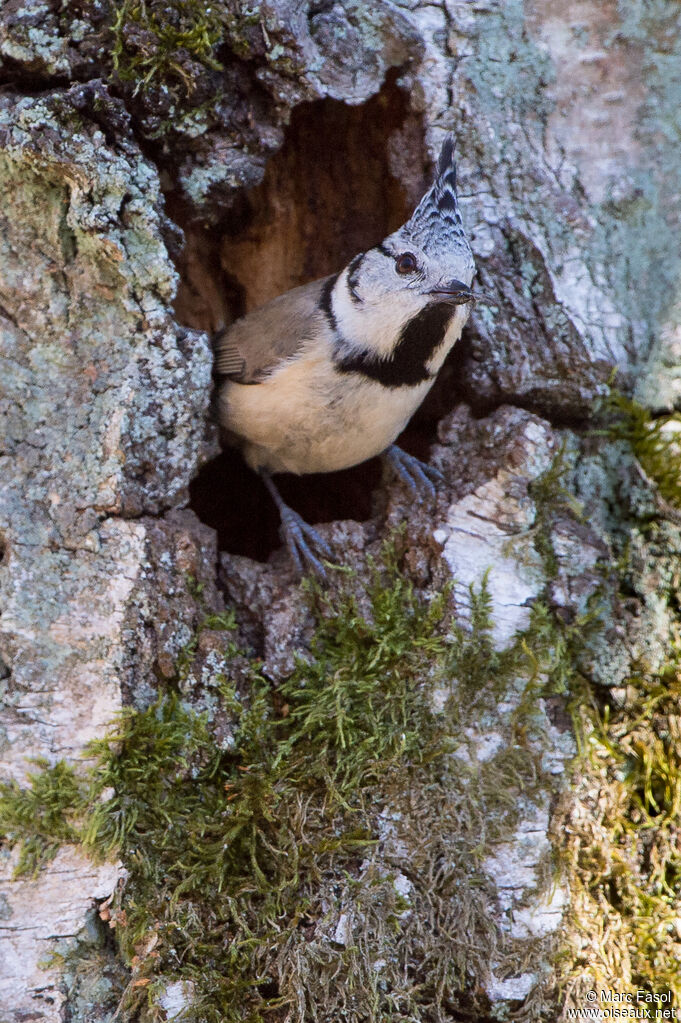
417,475
301,539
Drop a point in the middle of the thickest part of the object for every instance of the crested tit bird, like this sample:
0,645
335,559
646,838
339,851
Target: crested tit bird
328,374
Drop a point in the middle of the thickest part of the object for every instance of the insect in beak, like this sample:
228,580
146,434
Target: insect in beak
456,292
459,294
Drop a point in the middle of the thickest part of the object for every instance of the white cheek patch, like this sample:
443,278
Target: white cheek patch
373,326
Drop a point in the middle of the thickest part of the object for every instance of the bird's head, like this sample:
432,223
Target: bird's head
427,260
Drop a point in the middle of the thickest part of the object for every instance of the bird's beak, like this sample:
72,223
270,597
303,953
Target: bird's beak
455,292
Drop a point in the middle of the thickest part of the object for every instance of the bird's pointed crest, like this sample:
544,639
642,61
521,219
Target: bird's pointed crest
436,221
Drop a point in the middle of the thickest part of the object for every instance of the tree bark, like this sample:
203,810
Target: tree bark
154,193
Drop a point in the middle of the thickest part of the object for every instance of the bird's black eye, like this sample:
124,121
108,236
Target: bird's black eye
406,263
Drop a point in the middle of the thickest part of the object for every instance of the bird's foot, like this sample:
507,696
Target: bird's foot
305,545
417,475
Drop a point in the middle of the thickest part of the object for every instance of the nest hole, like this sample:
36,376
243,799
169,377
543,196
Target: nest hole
232,499
345,177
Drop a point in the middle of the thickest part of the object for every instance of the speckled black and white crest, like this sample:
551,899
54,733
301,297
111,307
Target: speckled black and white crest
436,224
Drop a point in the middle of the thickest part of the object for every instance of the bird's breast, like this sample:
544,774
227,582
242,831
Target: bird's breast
308,417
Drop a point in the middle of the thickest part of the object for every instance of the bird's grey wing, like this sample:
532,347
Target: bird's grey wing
250,348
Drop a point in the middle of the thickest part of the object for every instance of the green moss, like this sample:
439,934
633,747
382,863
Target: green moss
618,829
656,442
623,854
42,816
172,45
157,43
229,850
620,826
272,877
357,704
552,497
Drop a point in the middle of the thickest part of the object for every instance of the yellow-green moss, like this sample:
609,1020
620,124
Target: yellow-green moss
242,864
620,826
169,44
42,816
622,847
155,42
655,441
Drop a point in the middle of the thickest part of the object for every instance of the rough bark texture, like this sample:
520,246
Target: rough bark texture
155,189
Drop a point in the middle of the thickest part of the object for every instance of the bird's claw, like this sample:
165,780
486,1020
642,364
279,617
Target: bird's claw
302,541
417,475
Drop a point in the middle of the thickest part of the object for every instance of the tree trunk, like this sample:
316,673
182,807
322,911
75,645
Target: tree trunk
461,813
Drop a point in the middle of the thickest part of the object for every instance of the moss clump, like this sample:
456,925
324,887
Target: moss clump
623,848
231,852
42,816
176,46
655,441
620,829
357,705
330,864
165,42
